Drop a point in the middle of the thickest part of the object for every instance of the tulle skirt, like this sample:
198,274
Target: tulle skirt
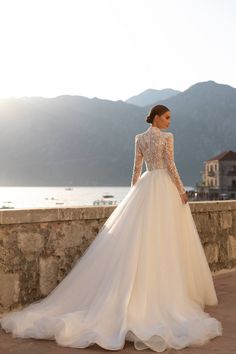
144,279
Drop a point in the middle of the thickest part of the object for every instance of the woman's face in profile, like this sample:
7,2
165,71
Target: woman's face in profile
164,120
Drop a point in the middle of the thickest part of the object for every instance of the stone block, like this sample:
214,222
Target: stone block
30,243
48,270
212,252
231,247
226,219
9,289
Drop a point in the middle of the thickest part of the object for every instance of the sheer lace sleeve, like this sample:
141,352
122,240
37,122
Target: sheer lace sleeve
138,162
170,163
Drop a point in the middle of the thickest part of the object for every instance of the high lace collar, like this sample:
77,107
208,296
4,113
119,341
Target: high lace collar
154,129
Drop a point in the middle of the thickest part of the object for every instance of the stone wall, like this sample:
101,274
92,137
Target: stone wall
38,247
216,225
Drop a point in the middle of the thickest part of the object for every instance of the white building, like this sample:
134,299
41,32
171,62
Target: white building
219,176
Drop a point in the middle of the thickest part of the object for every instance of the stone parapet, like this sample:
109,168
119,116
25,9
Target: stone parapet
38,247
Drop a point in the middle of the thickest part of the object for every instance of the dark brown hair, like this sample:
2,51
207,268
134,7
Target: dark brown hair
159,109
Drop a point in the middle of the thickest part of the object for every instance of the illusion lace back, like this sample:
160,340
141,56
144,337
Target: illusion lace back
157,149
143,279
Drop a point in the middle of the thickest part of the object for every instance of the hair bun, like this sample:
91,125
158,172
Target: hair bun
156,110
148,119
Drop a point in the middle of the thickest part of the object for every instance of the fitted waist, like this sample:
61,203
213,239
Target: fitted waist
156,169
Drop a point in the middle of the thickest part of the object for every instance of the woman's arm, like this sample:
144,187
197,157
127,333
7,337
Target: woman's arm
170,163
138,162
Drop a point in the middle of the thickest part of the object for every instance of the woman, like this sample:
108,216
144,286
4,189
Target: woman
144,278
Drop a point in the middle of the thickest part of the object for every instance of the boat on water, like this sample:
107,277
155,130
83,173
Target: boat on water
107,199
7,205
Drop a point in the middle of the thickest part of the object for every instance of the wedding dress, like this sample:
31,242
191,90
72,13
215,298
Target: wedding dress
144,278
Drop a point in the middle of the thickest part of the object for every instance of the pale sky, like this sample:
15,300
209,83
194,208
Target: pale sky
114,49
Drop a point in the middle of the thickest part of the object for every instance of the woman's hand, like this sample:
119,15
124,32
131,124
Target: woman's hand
184,198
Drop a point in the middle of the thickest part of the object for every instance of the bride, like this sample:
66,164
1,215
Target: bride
144,278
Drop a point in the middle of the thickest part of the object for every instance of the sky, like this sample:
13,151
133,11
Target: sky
114,49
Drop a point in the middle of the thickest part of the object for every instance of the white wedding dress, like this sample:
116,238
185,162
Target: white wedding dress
144,278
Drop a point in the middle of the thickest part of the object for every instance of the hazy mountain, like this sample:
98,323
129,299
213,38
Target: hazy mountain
74,140
67,140
148,97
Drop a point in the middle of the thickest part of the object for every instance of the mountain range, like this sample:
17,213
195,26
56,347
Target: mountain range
150,96
80,141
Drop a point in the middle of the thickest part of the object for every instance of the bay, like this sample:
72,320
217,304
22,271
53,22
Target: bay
43,197
49,197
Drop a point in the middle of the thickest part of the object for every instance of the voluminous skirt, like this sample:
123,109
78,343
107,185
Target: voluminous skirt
144,279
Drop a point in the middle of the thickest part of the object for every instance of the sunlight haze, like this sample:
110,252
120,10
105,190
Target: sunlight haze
114,49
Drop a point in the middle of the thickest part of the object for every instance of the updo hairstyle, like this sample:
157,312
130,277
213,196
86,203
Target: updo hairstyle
159,110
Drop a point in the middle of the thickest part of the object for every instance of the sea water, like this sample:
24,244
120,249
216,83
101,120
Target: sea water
34,197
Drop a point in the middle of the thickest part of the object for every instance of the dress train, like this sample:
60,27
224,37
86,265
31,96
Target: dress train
144,279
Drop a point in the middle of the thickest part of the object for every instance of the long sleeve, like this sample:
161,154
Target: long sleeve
170,163
138,162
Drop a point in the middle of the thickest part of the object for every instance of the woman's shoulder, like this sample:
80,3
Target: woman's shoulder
168,135
139,135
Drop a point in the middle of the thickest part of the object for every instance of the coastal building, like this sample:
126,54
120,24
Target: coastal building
219,177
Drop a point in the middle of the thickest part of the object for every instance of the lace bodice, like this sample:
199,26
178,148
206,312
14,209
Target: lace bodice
156,148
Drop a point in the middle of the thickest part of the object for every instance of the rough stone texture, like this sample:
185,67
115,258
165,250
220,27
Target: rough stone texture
231,247
38,247
226,220
216,224
9,289
48,269
30,243
212,252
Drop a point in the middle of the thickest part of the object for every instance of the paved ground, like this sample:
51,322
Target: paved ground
225,312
